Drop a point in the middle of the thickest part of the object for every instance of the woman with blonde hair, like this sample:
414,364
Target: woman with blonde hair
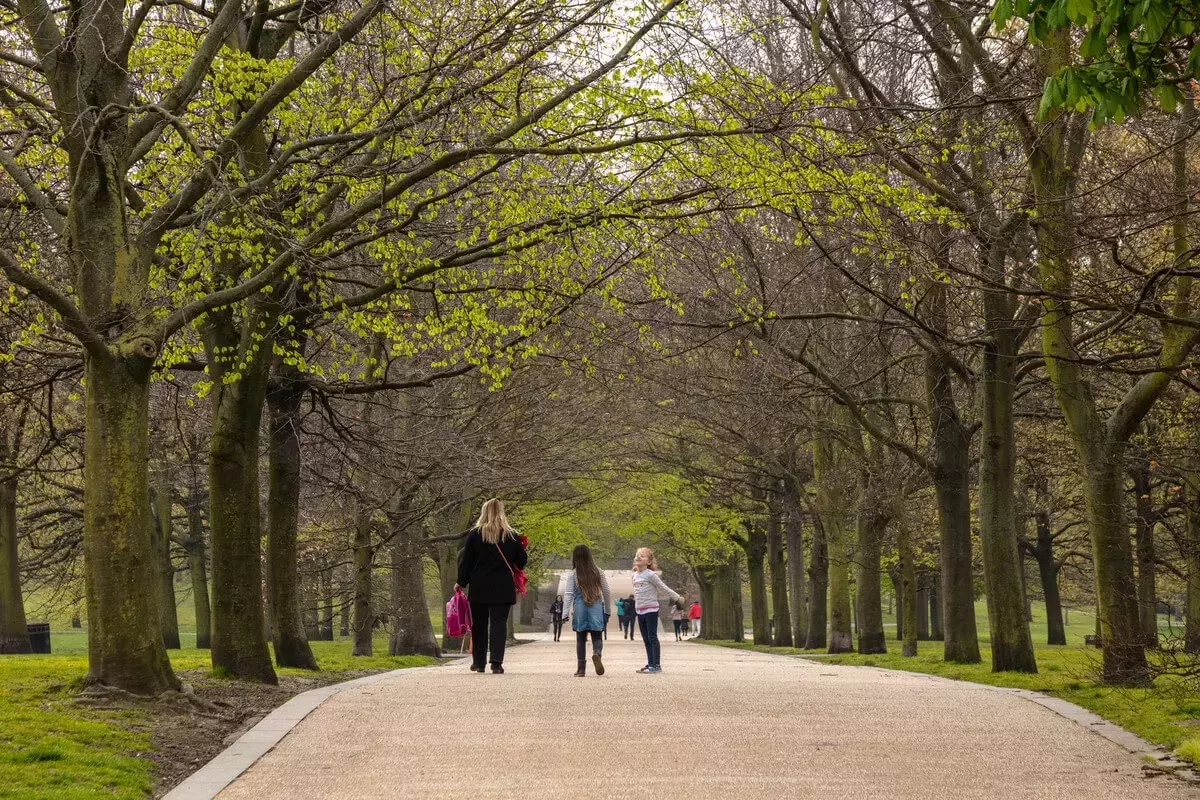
487,566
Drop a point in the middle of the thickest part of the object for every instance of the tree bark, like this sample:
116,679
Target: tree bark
288,634
936,630
721,600
755,547
326,576
412,632
833,510
923,606
1048,568
906,606
364,555
777,560
793,522
818,581
238,362
164,569
125,646
14,635
871,525
1191,556
1012,644
198,569
1144,524
951,444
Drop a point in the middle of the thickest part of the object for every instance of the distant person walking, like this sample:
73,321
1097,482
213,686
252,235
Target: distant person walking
620,605
694,617
556,611
646,586
631,615
678,617
490,556
586,593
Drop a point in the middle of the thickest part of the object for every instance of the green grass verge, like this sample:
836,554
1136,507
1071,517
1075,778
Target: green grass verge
51,747
1165,714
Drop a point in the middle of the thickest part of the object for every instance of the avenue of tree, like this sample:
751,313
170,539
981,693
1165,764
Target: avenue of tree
831,302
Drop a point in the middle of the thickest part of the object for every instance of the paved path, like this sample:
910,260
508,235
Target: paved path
716,723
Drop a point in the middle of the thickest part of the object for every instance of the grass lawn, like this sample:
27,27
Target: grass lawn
1168,714
54,747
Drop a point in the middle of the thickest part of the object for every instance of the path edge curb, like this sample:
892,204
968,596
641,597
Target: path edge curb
208,781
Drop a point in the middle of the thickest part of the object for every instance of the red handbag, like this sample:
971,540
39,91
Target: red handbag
520,582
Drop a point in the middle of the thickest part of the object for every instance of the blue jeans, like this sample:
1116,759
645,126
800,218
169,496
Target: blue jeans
648,625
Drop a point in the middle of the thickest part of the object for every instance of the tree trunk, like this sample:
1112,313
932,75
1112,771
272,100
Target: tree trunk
345,604
818,581
779,577
1099,442
936,631
326,576
239,645
164,569
1146,558
125,647
867,579
198,569
923,606
1012,644
447,557
412,632
833,501
1191,553
1043,554
794,534
14,636
755,547
721,600
898,592
364,555
906,607
288,633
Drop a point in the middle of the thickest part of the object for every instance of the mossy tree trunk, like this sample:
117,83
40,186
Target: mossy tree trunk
1191,553
164,568
1048,569
906,606
14,636
793,524
721,601
754,544
198,568
832,506
1012,644
125,646
868,577
363,624
238,362
818,582
777,561
412,632
1144,524
283,514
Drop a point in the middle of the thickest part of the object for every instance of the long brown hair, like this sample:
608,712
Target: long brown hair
587,574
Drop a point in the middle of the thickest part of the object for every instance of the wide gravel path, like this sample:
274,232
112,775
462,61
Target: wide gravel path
715,723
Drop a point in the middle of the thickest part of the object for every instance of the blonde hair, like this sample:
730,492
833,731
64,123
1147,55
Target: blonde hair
492,522
651,561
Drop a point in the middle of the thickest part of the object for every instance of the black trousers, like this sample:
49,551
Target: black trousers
558,623
489,632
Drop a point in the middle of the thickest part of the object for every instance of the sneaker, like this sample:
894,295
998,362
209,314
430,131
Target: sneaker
496,669
646,669
580,673
599,664
654,669
476,669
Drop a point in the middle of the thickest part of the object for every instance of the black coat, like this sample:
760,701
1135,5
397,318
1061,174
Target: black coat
482,572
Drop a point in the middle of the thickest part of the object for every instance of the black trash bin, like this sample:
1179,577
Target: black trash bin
39,636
